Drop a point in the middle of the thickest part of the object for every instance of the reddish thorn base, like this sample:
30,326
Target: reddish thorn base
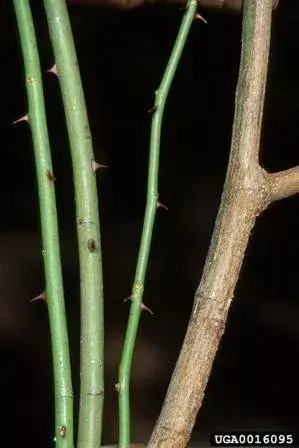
24,118
95,166
53,70
41,296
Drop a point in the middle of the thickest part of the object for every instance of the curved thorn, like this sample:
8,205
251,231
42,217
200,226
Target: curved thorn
146,308
160,205
199,17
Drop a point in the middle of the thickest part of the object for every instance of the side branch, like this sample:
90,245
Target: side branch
282,184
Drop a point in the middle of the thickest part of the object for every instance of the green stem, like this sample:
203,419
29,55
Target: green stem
88,228
149,218
49,227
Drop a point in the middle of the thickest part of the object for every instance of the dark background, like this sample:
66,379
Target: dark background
254,383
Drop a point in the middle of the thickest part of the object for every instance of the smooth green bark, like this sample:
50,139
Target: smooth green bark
49,227
149,218
87,223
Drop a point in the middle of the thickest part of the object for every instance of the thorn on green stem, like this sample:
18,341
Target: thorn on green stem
153,110
201,18
41,296
53,70
146,308
23,118
160,205
95,166
151,204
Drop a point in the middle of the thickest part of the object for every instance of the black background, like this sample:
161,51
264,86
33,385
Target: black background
254,383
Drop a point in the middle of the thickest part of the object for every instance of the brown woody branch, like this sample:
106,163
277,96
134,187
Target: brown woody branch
248,190
229,5
283,184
